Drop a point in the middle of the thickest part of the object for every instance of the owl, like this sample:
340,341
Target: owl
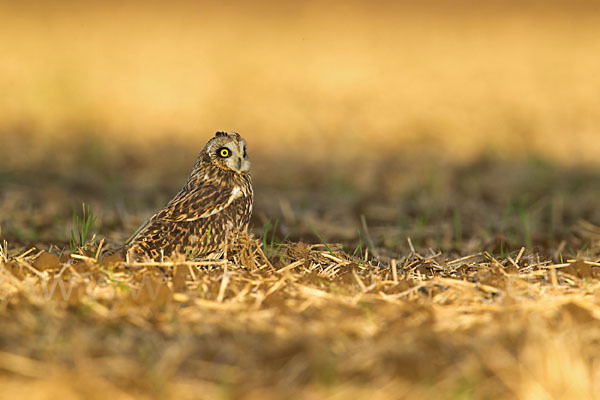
213,205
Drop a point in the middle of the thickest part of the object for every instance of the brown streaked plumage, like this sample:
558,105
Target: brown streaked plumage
214,205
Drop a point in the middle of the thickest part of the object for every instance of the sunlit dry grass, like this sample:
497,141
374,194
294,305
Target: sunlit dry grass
313,322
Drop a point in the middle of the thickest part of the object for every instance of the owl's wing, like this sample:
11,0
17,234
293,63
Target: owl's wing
191,205
200,202
137,232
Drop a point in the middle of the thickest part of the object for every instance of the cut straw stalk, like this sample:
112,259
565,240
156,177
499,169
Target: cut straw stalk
394,270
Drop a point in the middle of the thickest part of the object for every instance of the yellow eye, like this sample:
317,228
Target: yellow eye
224,152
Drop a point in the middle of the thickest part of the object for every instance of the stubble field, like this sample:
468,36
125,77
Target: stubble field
426,211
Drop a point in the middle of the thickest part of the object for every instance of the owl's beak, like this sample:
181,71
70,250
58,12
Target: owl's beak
243,165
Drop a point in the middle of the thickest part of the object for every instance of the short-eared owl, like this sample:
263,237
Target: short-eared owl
214,204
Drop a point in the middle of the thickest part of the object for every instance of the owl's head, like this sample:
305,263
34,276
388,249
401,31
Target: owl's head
228,152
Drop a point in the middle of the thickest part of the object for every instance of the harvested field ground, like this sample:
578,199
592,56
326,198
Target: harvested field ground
426,213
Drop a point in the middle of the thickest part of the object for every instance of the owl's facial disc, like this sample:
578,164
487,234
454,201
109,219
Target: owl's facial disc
233,155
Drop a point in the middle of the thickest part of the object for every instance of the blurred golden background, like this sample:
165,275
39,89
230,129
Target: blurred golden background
331,79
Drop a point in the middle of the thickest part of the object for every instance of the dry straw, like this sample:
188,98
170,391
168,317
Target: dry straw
305,315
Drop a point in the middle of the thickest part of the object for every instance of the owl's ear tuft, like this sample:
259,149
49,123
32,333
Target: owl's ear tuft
221,133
